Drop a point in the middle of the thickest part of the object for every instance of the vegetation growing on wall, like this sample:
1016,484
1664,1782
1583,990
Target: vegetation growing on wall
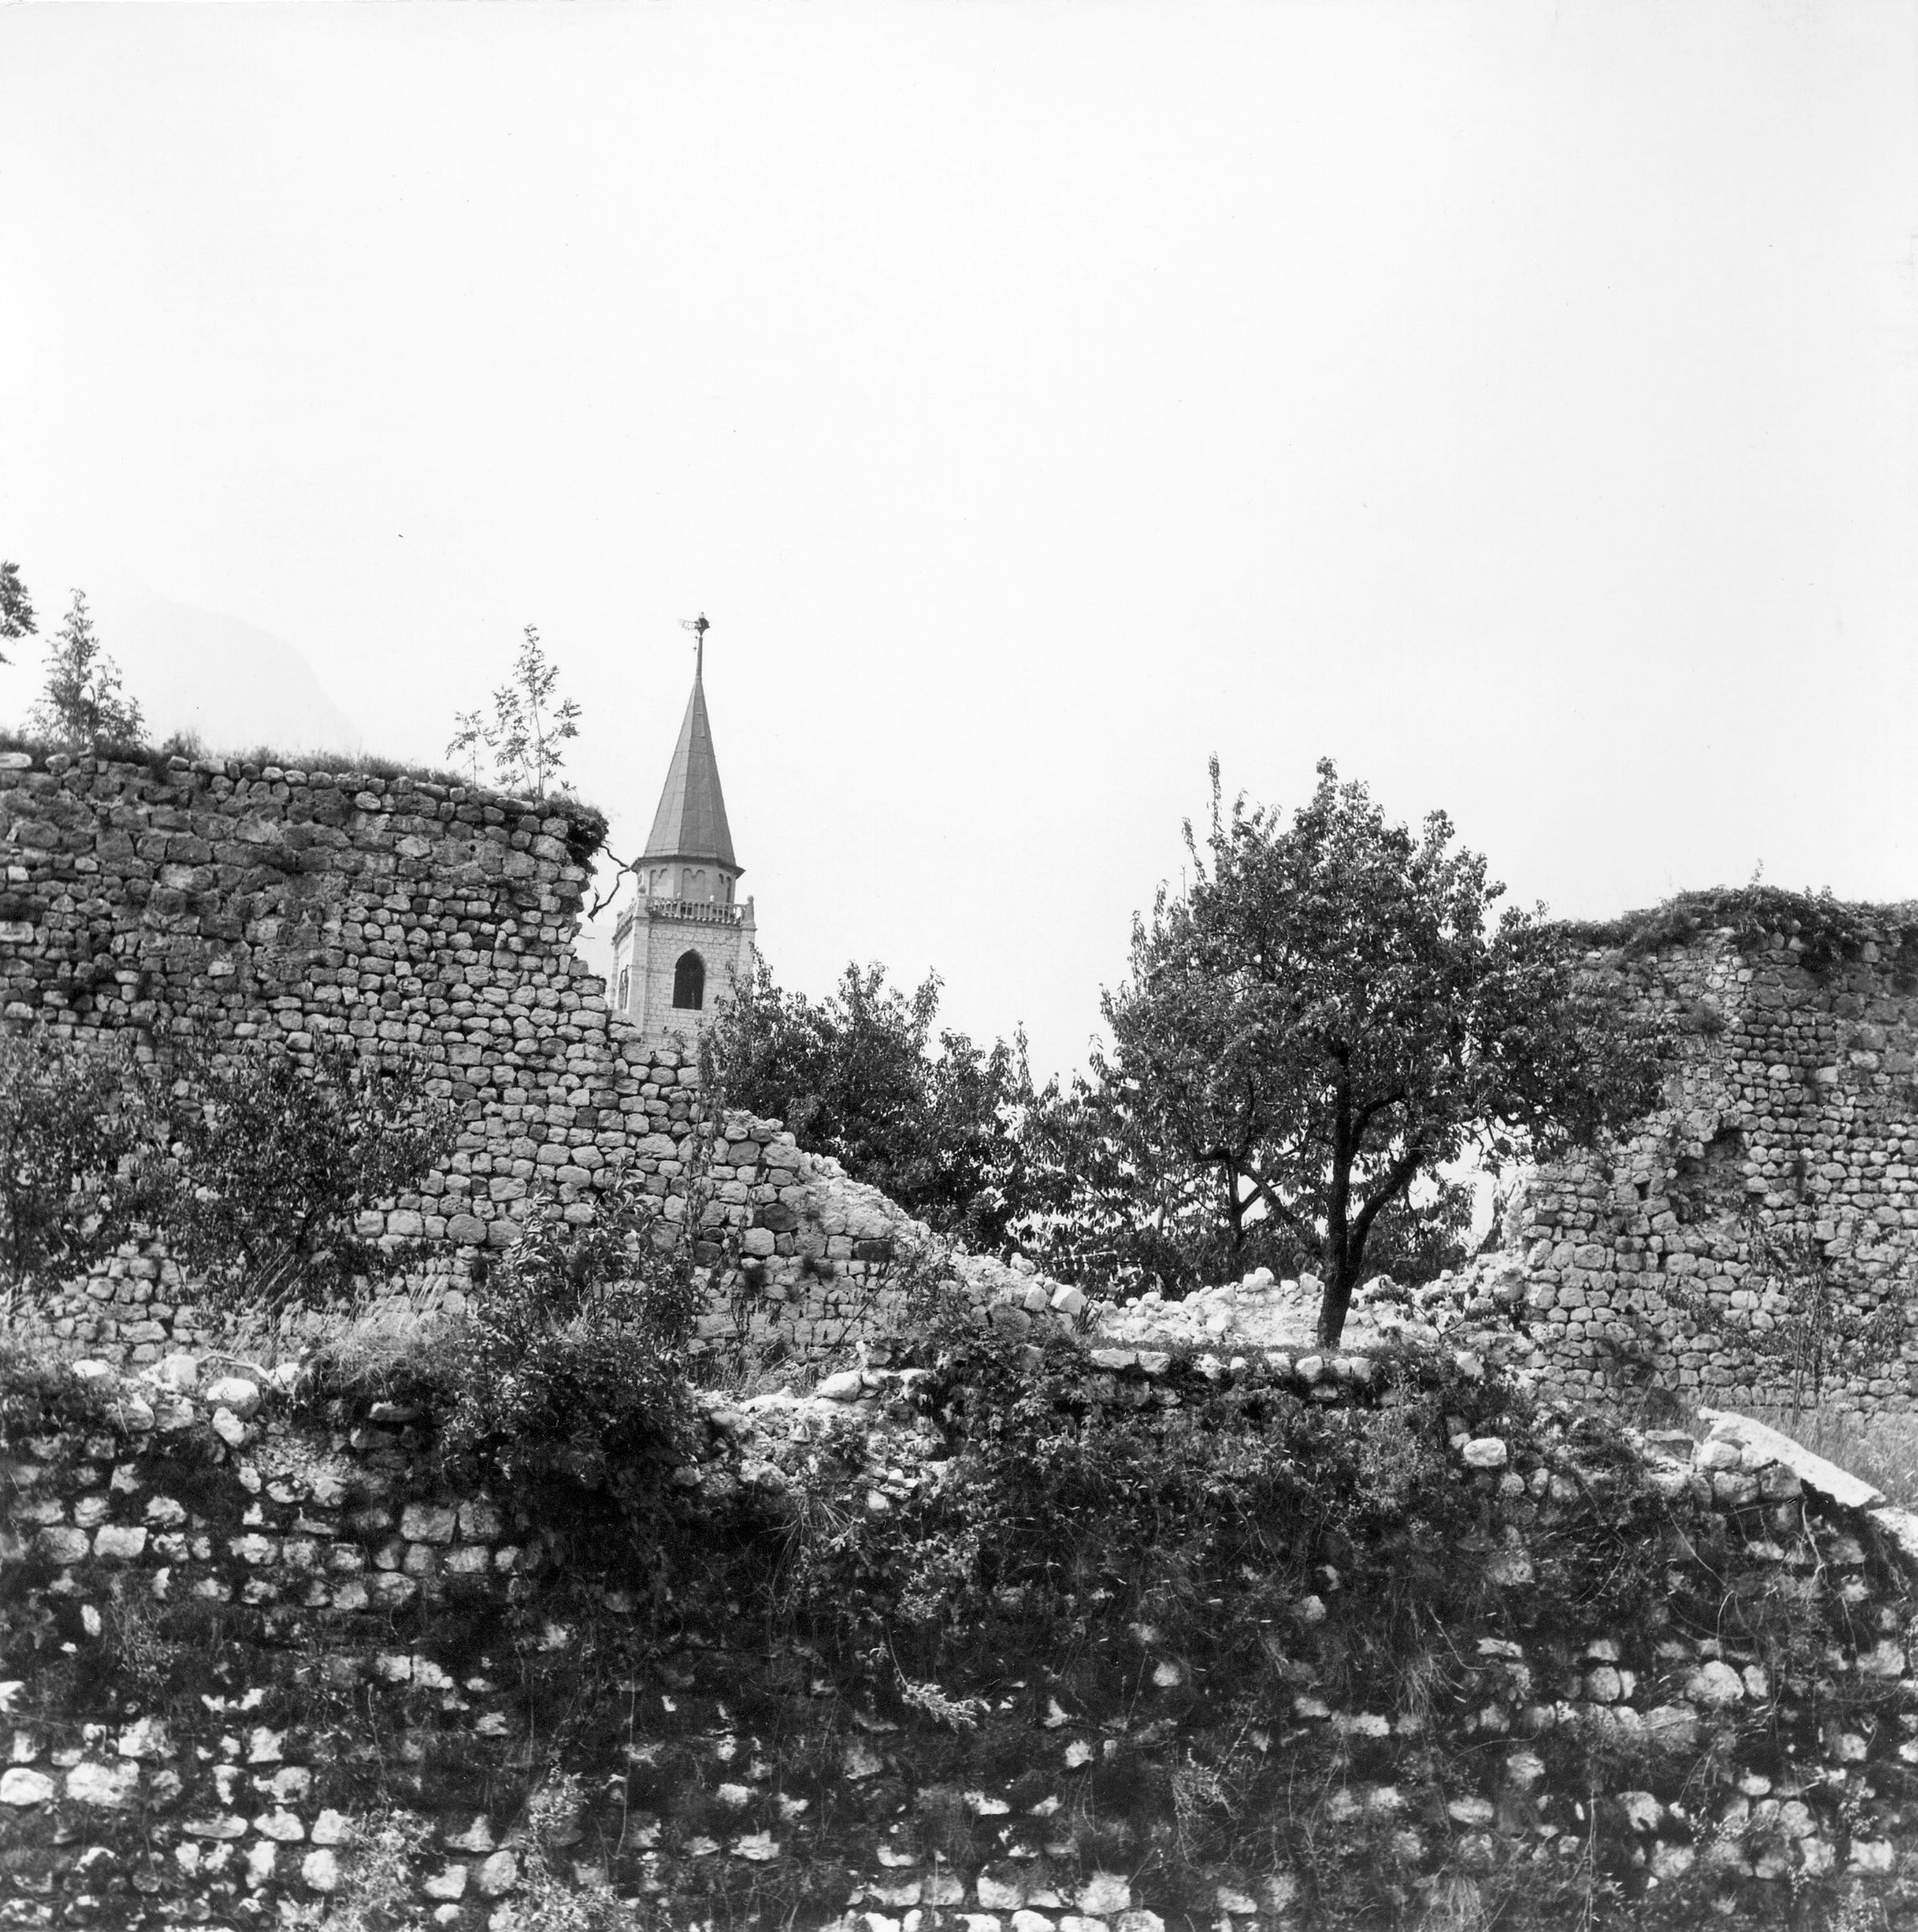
79,1126
1823,930
529,725
577,1357
252,1166
84,704
1423,1655
273,1156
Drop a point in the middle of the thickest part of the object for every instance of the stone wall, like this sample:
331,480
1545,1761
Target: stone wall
266,1660
233,902
1789,1135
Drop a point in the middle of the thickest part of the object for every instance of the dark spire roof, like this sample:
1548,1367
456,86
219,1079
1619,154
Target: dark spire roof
691,823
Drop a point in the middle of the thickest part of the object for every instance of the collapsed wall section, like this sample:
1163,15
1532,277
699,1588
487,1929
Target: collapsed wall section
1755,1239
232,902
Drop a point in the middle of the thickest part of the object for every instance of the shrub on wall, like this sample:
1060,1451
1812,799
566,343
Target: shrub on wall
273,1160
78,1126
577,1355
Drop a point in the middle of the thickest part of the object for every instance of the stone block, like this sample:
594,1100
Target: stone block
235,1393
61,1545
109,1787
320,1871
428,1522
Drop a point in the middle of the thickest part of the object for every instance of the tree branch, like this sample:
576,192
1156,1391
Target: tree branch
1397,1178
1262,1191
622,868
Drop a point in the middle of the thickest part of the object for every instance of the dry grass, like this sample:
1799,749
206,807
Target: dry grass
1881,1449
401,1342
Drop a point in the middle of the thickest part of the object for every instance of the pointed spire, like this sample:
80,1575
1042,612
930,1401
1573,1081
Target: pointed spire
691,823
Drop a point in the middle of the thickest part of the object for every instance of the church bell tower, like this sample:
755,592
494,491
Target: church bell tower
687,936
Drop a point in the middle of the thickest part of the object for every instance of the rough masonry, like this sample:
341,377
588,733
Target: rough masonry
291,1663
233,902
1783,1166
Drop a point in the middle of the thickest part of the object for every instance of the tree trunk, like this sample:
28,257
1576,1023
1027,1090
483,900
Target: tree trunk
1338,1268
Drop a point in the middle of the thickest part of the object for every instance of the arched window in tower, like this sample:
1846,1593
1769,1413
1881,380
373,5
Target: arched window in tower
625,987
689,982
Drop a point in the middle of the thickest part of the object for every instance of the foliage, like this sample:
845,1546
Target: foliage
855,1075
40,1395
527,727
76,1126
16,607
1324,1018
275,1155
83,705
1823,930
1225,1518
377,1881
577,1351
394,1350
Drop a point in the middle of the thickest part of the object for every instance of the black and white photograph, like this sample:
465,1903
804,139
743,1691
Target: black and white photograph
959,965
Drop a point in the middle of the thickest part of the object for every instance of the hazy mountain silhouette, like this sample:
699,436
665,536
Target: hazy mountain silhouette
235,685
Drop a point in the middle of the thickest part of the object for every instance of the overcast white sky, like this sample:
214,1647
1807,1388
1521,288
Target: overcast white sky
1519,403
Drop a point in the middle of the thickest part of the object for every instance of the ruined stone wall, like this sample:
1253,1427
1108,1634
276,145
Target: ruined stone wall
232,901
267,1661
1789,1141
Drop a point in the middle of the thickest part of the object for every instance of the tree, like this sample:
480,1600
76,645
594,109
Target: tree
274,1161
527,727
78,1126
855,1075
1324,1023
83,705
16,607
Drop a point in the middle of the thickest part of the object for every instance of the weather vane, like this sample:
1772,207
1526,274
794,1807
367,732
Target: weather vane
699,627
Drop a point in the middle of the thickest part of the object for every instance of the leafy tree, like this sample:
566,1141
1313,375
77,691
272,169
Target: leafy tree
855,1076
77,1126
1324,1019
273,1161
528,726
16,607
83,705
